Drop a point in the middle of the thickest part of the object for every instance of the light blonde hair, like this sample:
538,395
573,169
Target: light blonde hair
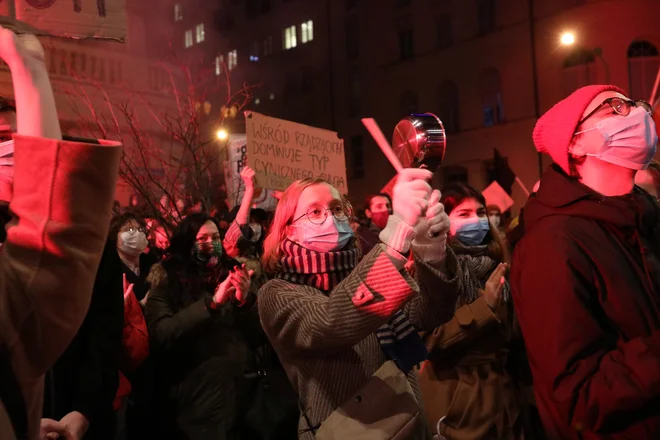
278,230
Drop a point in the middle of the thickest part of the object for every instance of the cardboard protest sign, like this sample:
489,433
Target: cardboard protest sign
104,19
237,151
495,195
281,152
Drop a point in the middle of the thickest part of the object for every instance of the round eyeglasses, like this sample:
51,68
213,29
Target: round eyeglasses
133,229
620,106
317,214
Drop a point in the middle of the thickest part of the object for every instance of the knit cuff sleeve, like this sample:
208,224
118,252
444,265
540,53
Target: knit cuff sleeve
431,252
397,234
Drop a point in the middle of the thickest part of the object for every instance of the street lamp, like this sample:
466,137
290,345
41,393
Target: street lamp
567,38
222,134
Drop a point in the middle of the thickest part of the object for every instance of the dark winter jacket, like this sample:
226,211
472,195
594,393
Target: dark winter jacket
85,378
140,284
586,280
202,356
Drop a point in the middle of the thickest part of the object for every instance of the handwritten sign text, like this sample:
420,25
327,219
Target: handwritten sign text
281,152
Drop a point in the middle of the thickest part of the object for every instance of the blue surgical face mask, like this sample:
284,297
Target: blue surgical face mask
629,141
331,235
472,232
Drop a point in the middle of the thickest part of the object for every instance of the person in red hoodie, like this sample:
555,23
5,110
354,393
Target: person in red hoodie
586,275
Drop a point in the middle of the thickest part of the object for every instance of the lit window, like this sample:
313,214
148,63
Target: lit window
257,101
290,40
307,31
199,30
219,61
189,38
232,59
178,12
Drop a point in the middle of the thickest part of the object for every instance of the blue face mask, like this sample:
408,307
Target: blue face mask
332,235
473,231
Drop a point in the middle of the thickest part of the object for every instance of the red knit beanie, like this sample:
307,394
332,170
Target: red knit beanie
555,129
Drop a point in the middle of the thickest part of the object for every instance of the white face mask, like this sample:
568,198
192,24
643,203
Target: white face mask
331,235
133,243
628,142
495,220
256,232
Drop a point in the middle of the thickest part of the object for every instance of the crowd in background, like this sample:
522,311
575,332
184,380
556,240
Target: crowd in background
319,321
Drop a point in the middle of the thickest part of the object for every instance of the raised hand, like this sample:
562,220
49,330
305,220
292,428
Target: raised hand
247,174
225,292
240,279
20,49
495,286
437,220
410,196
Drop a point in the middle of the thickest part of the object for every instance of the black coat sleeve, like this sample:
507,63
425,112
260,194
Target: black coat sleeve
101,337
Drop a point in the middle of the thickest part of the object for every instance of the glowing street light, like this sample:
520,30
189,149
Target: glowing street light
567,38
222,134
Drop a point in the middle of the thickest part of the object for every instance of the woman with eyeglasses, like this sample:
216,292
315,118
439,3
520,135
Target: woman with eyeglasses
202,326
130,232
346,331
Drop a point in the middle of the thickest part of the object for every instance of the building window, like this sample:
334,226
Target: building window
232,59
307,31
268,46
643,64
406,44
443,31
357,154
189,38
579,70
199,32
290,40
178,12
254,52
486,16
491,98
409,102
354,92
352,38
448,106
219,61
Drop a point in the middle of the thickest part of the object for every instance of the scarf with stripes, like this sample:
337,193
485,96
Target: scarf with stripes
324,270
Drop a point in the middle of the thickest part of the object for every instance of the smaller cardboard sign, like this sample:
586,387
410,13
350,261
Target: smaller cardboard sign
237,150
495,195
281,152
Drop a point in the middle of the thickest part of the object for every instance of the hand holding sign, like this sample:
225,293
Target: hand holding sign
17,50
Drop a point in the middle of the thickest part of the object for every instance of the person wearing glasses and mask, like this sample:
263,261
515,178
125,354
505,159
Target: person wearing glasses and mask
130,232
586,275
345,329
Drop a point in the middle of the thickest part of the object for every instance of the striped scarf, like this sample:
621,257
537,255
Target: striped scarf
324,270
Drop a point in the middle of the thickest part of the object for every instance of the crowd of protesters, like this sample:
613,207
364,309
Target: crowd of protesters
424,313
